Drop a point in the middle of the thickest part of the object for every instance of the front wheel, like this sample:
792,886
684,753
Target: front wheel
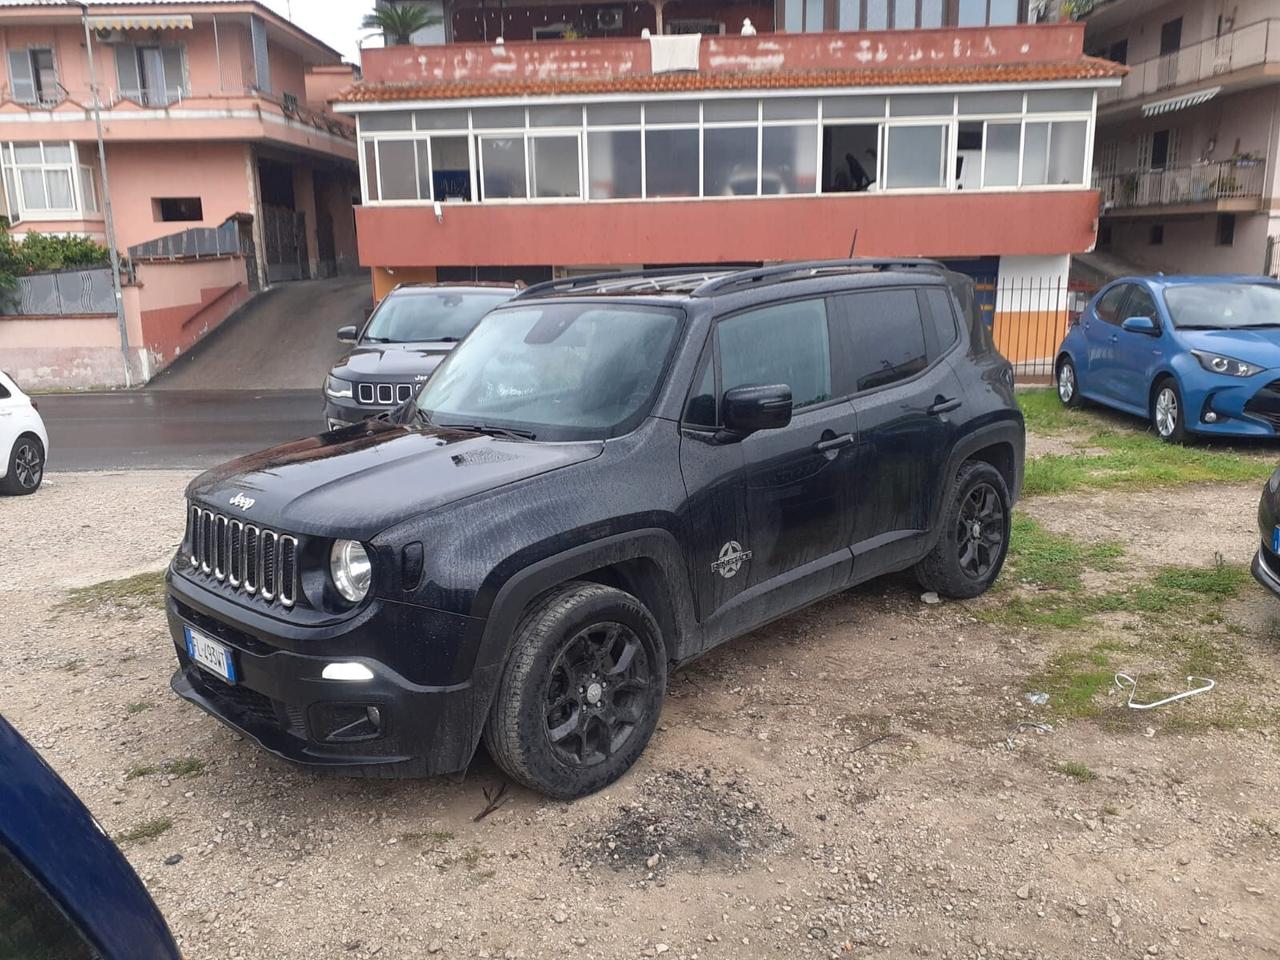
26,467
1167,414
974,539
1068,384
581,693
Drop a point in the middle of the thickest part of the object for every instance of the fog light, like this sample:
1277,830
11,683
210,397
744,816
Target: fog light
346,671
1210,417
375,717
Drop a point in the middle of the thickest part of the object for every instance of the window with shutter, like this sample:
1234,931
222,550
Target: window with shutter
128,77
22,81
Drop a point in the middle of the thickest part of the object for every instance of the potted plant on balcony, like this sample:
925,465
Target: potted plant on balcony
1246,159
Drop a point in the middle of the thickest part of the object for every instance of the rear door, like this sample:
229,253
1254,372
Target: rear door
898,341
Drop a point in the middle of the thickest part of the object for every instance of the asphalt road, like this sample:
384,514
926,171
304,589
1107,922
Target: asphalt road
172,428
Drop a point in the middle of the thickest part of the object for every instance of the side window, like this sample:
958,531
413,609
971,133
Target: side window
4,391
1141,304
944,318
1108,307
885,335
786,343
700,411
31,923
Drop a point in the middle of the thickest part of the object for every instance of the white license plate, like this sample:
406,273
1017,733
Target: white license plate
210,654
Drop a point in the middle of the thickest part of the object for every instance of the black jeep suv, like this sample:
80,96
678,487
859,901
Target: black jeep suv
412,329
607,478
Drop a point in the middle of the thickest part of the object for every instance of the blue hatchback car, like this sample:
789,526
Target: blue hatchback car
1193,354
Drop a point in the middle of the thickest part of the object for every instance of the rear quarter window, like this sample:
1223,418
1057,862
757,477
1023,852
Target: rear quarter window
1108,307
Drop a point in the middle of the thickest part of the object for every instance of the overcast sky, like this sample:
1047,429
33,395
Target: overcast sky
336,22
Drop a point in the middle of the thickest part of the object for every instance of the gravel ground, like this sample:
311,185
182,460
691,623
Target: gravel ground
848,782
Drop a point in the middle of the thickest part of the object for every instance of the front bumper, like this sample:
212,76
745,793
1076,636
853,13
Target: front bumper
282,702
1249,407
1266,570
344,412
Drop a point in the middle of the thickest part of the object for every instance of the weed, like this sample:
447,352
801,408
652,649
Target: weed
146,830
141,770
1072,679
1076,771
184,767
1110,810
131,595
135,708
433,838
1052,560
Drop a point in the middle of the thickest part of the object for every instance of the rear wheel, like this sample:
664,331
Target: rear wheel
26,467
1167,413
581,694
974,539
1068,383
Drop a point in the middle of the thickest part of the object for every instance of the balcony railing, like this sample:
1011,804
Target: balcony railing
1247,47
1202,183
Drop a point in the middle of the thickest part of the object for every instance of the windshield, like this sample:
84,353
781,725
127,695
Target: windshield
560,371
1224,306
423,315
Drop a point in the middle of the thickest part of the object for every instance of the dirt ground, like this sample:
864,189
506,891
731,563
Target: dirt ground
852,781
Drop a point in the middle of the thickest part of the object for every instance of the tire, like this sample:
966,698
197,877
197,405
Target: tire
1168,414
26,467
1068,383
555,726
960,566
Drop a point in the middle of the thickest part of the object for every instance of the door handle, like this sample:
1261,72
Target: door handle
1115,338
833,443
944,405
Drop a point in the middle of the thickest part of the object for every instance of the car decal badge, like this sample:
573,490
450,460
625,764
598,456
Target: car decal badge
731,559
241,501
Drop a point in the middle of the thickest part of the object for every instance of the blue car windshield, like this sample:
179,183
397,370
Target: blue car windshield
554,371
1223,306
424,316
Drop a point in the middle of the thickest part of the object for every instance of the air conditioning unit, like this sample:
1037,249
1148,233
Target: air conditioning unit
110,36
609,18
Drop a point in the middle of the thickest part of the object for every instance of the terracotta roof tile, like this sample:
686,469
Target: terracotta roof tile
1084,68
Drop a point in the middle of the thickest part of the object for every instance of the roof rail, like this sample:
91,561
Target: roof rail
595,281
803,270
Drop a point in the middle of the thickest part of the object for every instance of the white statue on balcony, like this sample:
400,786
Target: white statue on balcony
748,28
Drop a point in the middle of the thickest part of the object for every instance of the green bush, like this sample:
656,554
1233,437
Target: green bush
39,252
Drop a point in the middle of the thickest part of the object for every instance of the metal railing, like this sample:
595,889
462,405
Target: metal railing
221,241
1028,318
61,293
1200,183
1248,46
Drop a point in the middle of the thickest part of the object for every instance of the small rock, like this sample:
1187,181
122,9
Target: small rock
1024,892
1256,891
660,948
435,946
930,597
559,916
172,858
652,861
1153,949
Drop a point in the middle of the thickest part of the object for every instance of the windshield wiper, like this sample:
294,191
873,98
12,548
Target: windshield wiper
369,339
439,340
507,432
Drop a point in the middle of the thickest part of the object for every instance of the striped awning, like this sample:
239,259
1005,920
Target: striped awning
1179,103
143,22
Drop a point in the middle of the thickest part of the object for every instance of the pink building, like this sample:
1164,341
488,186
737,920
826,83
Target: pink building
209,111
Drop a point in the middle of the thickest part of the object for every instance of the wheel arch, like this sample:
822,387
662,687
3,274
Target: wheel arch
1159,377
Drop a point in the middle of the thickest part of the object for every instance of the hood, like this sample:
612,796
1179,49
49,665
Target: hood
1252,346
362,479
391,361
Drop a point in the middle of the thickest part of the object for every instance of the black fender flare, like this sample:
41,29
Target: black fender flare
1010,431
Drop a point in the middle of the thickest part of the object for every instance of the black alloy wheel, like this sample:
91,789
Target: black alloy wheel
980,531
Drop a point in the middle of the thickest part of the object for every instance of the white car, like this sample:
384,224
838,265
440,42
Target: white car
24,442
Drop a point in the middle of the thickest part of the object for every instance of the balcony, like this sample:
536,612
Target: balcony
1257,45
1226,186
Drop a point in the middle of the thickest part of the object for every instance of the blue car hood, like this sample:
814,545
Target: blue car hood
1253,346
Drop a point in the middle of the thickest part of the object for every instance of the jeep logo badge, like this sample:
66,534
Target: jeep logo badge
731,559
241,501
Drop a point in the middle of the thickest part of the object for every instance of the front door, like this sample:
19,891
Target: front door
1135,353
1101,327
769,517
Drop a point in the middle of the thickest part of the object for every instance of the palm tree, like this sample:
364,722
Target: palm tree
399,22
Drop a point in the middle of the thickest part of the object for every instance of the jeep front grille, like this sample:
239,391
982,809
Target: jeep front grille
384,394
258,561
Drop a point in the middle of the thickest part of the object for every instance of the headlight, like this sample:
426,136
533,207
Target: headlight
337,388
1228,366
350,568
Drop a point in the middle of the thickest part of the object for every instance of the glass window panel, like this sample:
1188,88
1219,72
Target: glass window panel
921,105
791,108
441,119
32,924
611,114
371,169
729,161
790,159
969,155
424,169
930,13
877,14
701,408
836,107
88,189
27,153
386,120
1066,152
1004,12
1035,153
58,183
915,157
553,166
399,179
813,11
1002,154
786,343
848,14
717,110
33,195
555,116
1043,101
887,332
793,18
978,103
450,168
671,163
676,111
57,153
849,155
498,117
613,164
904,14
502,161
972,13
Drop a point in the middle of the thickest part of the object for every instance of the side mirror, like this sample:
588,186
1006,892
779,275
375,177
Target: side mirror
347,334
748,409
1141,325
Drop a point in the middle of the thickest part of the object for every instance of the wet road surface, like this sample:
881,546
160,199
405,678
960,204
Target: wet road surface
149,429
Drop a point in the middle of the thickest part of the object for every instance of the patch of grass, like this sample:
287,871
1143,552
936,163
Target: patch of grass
134,709
141,770
1076,771
184,767
433,838
1052,560
1045,413
131,595
145,831
1072,679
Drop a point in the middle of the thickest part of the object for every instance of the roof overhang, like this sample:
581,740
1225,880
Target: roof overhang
1158,107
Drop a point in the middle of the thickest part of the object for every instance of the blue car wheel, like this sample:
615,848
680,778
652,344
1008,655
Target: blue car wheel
1167,413
1068,383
